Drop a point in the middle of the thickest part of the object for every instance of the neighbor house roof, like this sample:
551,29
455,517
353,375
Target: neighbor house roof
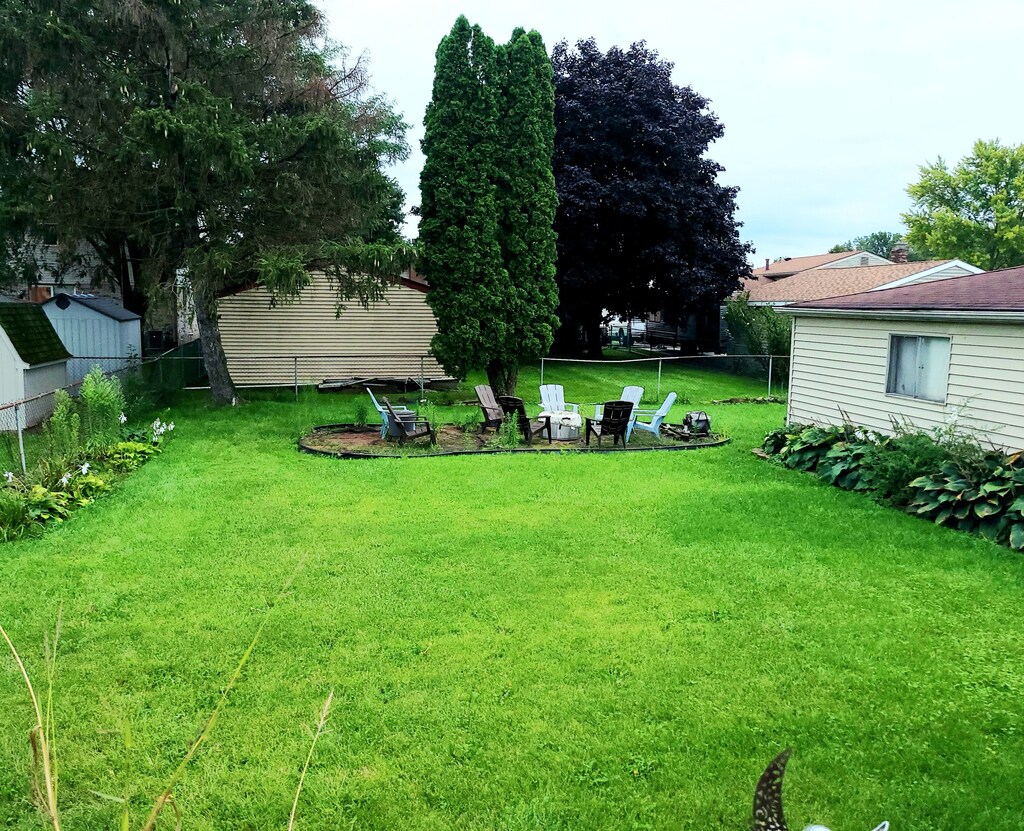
818,283
990,291
792,265
103,305
31,333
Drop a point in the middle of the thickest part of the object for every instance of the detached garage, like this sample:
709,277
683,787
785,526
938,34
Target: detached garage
33,361
94,327
931,355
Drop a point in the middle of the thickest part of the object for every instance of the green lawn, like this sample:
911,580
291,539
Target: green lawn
516,642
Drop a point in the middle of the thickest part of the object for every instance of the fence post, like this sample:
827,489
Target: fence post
542,372
658,396
21,440
423,394
770,357
295,373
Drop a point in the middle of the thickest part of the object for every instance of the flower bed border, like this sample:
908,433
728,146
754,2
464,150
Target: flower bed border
546,449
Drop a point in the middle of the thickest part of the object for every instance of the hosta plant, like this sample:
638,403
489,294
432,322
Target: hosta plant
987,499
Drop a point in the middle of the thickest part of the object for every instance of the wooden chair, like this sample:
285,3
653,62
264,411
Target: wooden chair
514,406
615,420
409,428
493,414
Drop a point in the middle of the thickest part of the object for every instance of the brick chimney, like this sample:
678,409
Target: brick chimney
899,253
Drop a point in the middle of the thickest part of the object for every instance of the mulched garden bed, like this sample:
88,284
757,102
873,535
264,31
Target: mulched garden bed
350,441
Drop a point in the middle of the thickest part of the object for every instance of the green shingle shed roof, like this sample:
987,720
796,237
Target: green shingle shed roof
33,336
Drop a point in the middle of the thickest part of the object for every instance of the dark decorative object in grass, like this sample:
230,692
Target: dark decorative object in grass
768,815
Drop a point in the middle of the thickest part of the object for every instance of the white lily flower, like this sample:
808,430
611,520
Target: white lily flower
65,479
8,476
123,418
170,426
85,468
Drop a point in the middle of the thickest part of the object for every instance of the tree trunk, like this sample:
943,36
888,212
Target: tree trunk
592,332
502,377
222,388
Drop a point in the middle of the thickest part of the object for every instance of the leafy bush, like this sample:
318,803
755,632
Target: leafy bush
62,430
509,434
15,521
362,413
103,408
805,450
126,456
760,329
844,465
987,499
777,438
893,463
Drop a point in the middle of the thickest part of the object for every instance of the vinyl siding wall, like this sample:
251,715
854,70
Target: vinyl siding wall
87,334
39,380
265,345
840,367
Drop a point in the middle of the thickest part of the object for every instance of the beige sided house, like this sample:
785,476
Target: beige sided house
931,354
272,343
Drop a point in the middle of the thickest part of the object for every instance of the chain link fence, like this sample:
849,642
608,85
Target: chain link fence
697,379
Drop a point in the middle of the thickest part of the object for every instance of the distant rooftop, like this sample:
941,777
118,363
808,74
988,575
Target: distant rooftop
817,283
103,305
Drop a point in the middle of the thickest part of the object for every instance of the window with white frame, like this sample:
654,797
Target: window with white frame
918,367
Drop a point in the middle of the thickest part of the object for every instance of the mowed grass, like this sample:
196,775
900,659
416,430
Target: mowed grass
515,642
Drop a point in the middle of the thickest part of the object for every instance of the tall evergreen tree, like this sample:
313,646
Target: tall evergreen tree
486,241
220,138
527,203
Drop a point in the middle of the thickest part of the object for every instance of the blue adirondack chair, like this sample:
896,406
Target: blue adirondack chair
656,417
385,420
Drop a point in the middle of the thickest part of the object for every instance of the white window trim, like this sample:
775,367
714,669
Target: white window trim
888,369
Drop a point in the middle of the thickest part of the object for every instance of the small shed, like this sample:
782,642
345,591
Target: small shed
933,355
95,330
33,361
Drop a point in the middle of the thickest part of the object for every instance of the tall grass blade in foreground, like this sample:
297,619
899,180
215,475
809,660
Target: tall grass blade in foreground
179,772
41,736
320,730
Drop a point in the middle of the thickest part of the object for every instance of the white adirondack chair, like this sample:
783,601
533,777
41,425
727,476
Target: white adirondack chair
631,394
655,417
552,400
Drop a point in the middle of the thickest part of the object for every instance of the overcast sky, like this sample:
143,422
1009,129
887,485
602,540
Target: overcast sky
829,108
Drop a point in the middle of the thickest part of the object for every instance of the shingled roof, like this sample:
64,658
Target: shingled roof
102,305
990,291
31,333
817,283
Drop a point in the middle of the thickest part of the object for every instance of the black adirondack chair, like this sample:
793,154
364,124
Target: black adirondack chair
511,405
614,422
493,414
410,428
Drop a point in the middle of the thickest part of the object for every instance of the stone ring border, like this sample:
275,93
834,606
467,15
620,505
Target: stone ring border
351,454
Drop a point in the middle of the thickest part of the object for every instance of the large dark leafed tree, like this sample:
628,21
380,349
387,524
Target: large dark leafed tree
643,223
488,201
223,140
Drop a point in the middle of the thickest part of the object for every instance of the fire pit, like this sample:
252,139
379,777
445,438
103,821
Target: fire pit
565,425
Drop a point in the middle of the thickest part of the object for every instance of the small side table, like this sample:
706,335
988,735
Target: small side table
565,425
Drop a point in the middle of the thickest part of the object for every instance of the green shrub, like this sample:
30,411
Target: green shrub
509,434
126,456
777,438
15,520
987,499
62,430
893,463
362,413
103,408
844,465
805,449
